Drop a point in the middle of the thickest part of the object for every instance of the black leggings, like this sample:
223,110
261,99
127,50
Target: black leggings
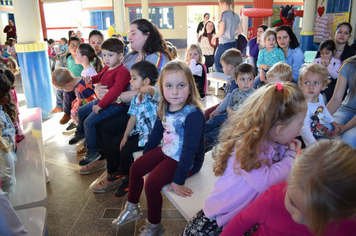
209,61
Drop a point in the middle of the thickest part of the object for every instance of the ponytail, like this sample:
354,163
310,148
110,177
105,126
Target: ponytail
98,64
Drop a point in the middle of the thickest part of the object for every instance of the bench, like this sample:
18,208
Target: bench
30,194
218,78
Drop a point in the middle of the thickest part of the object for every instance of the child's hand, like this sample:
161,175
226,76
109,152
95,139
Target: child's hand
215,112
88,79
325,62
262,75
230,112
338,128
123,142
181,190
295,145
187,61
96,109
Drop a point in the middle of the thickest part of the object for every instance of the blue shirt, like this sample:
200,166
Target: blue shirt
295,58
270,58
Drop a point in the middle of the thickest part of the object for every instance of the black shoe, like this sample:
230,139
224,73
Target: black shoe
71,126
117,175
89,158
123,189
76,139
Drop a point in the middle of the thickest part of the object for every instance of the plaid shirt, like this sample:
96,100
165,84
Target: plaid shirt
145,116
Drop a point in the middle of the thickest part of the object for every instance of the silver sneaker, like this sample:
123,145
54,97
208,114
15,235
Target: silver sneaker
131,212
152,230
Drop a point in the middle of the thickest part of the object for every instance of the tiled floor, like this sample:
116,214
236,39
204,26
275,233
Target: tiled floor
73,209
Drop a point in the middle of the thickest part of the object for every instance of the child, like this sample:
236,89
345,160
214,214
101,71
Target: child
7,138
318,198
79,35
181,124
194,57
117,78
280,72
63,51
229,27
230,59
10,48
52,55
257,149
312,79
86,56
139,126
270,55
327,50
244,78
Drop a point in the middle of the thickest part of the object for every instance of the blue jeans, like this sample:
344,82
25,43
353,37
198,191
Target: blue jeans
342,116
219,51
59,98
212,129
87,119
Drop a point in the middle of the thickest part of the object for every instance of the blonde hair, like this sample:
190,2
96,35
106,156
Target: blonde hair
172,50
61,76
10,63
193,98
281,70
249,126
232,57
325,173
267,33
230,3
315,69
195,46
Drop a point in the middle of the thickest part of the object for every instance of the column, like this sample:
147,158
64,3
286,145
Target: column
144,7
33,57
119,16
307,33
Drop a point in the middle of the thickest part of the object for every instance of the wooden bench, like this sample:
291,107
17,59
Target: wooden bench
218,78
30,194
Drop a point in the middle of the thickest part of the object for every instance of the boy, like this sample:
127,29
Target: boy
244,78
63,50
312,79
229,60
139,126
7,141
117,78
280,72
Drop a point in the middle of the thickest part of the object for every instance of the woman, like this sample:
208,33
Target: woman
96,38
287,40
207,47
344,111
147,44
256,45
202,23
342,35
71,34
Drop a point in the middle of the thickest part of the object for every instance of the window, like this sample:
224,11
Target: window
101,19
339,6
162,17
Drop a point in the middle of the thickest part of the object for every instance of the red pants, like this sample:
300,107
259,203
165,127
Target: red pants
162,170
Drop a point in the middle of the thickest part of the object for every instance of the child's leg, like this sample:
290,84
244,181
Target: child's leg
83,113
114,163
212,137
209,111
215,121
59,98
139,169
126,158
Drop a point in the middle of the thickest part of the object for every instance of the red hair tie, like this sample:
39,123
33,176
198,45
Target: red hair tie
5,60
279,86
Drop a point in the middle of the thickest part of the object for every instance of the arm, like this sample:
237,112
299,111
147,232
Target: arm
348,125
155,137
129,127
196,69
306,133
148,89
224,104
239,29
298,61
336,99
333,67
6,29
253,45
260,59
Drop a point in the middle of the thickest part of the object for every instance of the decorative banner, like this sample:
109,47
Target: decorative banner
340,17
323,27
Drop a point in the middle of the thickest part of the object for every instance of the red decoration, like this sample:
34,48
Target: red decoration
321,10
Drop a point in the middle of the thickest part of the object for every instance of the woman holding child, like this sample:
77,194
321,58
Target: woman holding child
147,44
287,40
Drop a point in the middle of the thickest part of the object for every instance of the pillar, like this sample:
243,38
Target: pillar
307,33
244,21
119,15
33,57
43,21
144,7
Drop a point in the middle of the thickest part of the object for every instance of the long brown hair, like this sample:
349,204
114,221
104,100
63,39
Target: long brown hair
193,98
88,51
230,3
246,129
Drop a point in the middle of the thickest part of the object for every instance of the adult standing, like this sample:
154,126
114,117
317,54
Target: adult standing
147,44
256,44
10,30
344,111
201,24
207,47
287,40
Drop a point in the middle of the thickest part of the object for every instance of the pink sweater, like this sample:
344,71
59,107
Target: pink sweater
234,192
270,213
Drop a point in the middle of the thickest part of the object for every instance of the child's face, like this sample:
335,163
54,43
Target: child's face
136,81
95,41
52,44
293,201
270,41
111,59
73,46
227,68
326,54
79,34
63,42
176,89
193,54
311,85
79,58
245,82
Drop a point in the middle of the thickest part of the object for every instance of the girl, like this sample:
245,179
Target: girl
207,47
327,49
10,48
270,55
180,106
230,26
194,59
318,199
52,55
85,56
257,149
